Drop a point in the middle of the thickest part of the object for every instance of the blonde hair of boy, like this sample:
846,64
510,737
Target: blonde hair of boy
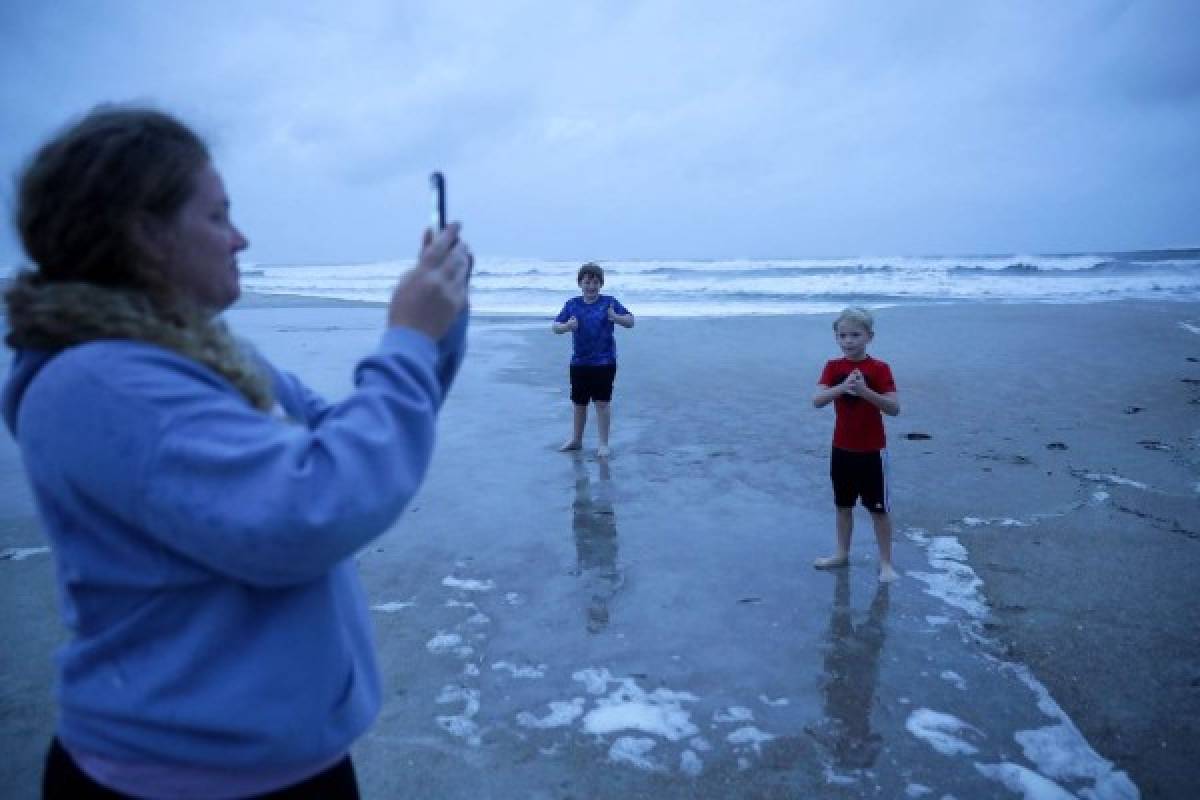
857,315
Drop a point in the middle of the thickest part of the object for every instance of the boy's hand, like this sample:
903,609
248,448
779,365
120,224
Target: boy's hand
612,315
853,383
572,324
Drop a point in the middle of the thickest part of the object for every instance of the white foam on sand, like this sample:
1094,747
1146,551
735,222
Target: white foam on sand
443,642
392,608
1187,326
461,725
782,701
1115,480
954,583
560,714
1004,522
749,736
1061,752
950,676
620,707
595,680
633,750
1024,782
468,585
21,553
942,731
917,790
630,708
734,714
521,672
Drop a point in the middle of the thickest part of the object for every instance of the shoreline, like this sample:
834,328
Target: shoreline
719,487
1032,413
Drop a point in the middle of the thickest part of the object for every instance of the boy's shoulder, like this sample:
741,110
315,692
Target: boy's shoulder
879,362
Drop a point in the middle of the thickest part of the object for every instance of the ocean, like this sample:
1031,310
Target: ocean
697,287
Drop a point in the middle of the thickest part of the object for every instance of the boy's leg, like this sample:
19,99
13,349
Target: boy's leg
603,423
883,536
875,498
845,531
605,376
578,421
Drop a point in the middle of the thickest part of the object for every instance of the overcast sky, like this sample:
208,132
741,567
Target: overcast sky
689,129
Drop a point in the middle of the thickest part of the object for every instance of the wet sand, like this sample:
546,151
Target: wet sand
553,626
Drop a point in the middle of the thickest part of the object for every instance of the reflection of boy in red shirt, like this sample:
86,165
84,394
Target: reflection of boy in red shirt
860,387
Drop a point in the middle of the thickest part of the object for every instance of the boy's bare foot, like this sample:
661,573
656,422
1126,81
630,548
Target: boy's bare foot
887,574
569,445
832,562
603,451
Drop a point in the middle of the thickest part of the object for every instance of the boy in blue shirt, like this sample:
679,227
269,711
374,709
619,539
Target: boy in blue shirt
590,318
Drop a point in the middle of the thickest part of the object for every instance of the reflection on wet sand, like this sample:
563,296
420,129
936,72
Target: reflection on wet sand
594,525
851,677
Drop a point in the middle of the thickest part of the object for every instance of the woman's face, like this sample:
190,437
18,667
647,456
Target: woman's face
202,246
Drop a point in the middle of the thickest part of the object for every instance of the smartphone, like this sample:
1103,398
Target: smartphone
437,184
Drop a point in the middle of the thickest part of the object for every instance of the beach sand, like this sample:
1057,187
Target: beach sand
550,625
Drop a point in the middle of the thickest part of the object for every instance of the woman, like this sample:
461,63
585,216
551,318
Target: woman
203,507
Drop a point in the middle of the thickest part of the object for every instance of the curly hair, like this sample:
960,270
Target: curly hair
82,202
83,194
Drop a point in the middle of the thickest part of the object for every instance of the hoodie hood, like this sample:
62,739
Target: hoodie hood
25,367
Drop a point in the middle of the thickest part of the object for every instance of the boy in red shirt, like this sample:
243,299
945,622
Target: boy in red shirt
860,387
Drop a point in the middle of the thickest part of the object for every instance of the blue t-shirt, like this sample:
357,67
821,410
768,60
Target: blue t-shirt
593,340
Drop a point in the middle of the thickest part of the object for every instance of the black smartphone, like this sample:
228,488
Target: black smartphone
437,183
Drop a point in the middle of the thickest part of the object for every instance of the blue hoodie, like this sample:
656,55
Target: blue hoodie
204,548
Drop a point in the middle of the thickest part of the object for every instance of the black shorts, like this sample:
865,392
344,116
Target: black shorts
592,383
860,475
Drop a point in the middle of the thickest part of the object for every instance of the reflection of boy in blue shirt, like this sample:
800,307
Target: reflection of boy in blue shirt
590,318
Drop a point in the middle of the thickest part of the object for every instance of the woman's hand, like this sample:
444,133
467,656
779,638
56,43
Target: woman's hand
429,297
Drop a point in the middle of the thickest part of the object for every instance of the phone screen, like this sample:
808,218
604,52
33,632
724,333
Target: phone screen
437,185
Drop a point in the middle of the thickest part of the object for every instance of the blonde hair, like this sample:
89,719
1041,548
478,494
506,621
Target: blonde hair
857,315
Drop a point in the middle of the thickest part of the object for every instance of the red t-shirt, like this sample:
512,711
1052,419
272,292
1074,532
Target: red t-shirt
859,425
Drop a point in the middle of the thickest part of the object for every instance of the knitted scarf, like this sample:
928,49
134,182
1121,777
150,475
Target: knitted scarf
57,315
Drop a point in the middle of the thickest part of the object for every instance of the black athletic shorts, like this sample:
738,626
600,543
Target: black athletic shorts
860,475
592,383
